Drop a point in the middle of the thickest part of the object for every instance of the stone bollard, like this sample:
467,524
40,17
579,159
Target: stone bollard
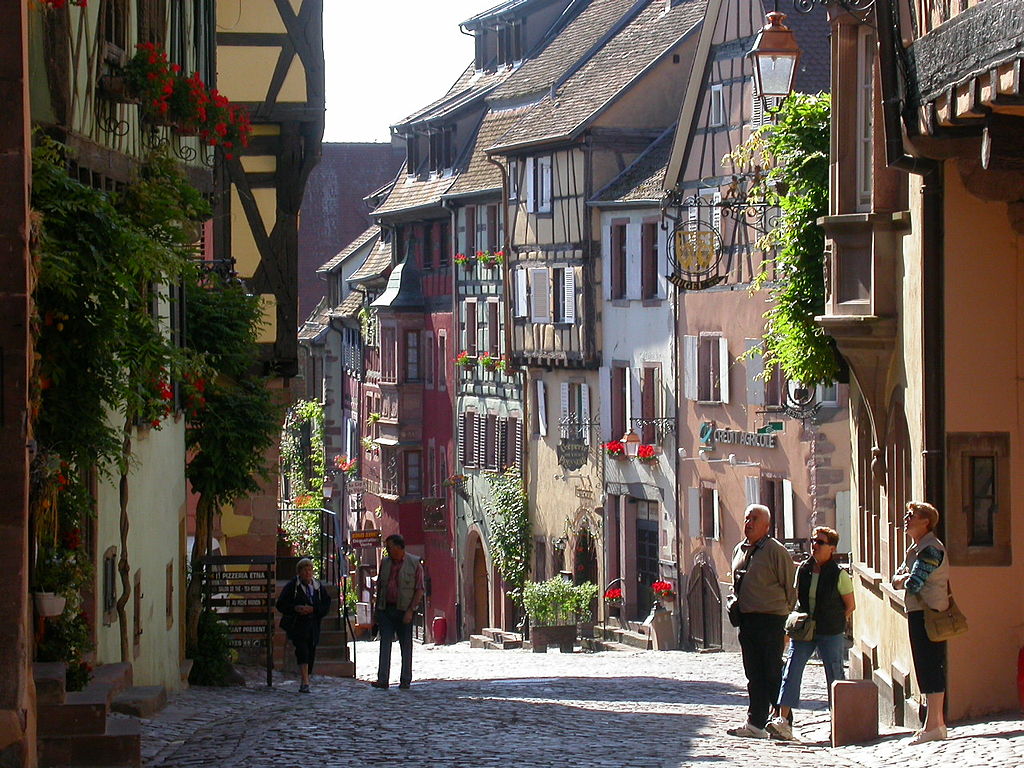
854,712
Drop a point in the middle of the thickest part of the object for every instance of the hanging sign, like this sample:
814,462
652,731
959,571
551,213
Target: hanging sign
698,255
572,453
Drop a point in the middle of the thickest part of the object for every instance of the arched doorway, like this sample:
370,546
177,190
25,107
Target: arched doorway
481,614
704,604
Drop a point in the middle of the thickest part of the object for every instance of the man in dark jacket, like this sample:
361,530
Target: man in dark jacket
303,602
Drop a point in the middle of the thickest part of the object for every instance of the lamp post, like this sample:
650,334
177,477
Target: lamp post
631,444
776,55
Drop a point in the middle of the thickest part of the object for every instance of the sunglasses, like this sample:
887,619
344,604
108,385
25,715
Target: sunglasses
822,542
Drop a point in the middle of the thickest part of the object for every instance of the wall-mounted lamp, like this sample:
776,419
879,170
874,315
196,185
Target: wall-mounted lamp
631,443
328,490
776,55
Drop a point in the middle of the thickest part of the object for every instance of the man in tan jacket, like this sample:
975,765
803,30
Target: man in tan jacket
399,591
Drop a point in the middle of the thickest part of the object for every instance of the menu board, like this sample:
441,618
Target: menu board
240,590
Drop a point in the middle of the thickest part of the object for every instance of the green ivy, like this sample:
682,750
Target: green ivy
509,530
303,465
795,153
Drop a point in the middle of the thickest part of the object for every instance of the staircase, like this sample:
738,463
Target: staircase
97,726
332,654
496,640
619,635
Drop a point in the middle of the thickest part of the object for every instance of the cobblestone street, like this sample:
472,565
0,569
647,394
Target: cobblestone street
470,707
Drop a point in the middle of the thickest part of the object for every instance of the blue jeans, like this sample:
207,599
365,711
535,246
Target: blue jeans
831,650
391,624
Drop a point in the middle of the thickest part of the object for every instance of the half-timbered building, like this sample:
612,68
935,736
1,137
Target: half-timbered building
736,442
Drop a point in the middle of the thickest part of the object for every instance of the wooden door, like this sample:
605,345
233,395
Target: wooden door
481,614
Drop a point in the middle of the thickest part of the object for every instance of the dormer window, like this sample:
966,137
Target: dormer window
412,154
510,43
480,44
442,152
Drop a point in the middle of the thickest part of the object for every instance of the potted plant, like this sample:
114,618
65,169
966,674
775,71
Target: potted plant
464,360
646,454
488,361
664,591
614,449
463,260
148,78
554,607
613,596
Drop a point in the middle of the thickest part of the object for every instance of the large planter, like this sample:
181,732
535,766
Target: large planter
563,635
49,604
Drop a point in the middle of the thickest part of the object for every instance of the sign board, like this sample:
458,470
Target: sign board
370,538
572,453
354,486
435,517
709,436
698,255
240,590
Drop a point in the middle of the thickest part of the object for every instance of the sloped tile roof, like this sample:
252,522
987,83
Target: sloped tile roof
377,263
470,86
480,174
335,261
350,305
604,75
642,180
412,192
316,322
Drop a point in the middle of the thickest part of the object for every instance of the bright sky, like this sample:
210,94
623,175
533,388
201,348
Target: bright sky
387,58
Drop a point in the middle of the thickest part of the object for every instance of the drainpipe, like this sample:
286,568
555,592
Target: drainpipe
457,618
932,254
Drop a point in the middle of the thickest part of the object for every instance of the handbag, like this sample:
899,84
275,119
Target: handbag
734,610
942,625
800,626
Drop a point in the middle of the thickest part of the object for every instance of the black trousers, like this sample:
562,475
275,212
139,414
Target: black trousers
391,623
305,651
929,657
762,639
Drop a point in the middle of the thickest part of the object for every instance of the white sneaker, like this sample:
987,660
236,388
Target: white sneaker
748,731
780,728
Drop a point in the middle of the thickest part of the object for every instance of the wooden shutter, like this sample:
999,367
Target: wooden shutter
617,398
569,295
503,444
755,368
788,519
540,295
647,393
585,412
515,436
693,512
493,237
471,330
648,262
480,439
617,262
723,369
462,439
530,191
542,409
752,486
470,236
522,299
491,441
563,393
690,367
492,329
630,405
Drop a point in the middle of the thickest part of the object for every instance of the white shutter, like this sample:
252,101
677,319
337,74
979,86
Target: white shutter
569,295
522,302
585,411
718,516
693,511
544,180
716,216
540,295
690,367
563,393
757,109
788,521
723,368
843,521
542,409
755,368
753,489
530,191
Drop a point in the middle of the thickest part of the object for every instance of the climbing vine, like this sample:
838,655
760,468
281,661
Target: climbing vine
302,448
792,157
510,532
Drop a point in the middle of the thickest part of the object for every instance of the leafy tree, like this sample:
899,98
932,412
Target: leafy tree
233,416
795,153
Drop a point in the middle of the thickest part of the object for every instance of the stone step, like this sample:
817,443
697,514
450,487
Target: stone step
115,677
81,712
478,641
334,668
140,700
596,645
117,746
503,640
635,639
50,678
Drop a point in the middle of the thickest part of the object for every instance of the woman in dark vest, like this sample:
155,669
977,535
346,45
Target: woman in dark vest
824,592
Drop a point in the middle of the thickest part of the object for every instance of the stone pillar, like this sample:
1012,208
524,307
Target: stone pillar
17,691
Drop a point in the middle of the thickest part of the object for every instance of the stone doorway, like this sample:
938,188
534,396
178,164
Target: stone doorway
481,613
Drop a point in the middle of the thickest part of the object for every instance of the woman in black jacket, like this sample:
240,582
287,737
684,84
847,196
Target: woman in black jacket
303,602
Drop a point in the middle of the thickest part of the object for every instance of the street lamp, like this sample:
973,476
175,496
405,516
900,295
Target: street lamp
631,444
776,55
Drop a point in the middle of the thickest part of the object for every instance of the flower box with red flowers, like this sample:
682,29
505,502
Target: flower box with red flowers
614,449
613,596
664,590
647,454
463,260
464,360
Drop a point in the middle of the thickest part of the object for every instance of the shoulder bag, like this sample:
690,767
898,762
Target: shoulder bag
734,598
942,625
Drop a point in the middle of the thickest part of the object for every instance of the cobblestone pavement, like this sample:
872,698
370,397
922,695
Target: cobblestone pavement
470,707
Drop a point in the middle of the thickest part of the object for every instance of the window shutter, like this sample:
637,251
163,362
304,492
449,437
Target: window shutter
563,391
723,368
544,182
753,488
493,237
542,409
530,191
517,436
585,412
843,521
480,440
491,441
522,301
756,110
690,367
693,511
462,439
502,448
540,295
569,295
755,367
718,516
788,521
471,335
630,410
470,238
